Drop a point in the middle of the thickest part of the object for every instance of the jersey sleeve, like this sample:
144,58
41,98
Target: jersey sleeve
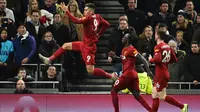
104,25
134,52
82,20
157,55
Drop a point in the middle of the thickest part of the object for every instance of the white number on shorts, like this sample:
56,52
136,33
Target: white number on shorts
167,56
116,82
88,58
95,24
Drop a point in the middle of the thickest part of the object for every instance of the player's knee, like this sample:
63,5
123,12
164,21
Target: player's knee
90,70
162,97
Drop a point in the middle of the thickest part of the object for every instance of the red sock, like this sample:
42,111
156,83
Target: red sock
115,100
100,72
171,100
58,53
155,105
143,103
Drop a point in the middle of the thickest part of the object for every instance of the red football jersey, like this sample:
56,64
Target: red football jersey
128,58
91,27
163,55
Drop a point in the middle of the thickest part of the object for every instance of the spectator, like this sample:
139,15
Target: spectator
163,15
146,42
50,76
35,28
22,75
48,46
8,13
46,18
76,29
191,13
21,88
115,44
191,65
163,27
136,18
24,46
184,25
6,54
176,69
58,29
181,44
179,5
48,5
196,35
197,23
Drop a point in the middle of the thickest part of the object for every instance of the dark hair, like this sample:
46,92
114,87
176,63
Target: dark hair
164,1
198,14
35,11
161,34
21,68
56,13
90,5
123,20
161,25
195,42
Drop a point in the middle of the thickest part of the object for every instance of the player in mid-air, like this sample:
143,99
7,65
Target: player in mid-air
87,47
129,78
163,55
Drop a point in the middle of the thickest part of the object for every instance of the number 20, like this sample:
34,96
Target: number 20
167,56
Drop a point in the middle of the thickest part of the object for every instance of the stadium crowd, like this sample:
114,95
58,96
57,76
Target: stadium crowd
34,27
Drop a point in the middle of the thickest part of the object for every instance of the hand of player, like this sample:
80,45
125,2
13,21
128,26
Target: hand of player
111,54
63,6
109,59
150,57
195,82
25,60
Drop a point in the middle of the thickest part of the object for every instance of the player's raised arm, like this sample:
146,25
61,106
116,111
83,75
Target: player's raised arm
157,56
72,18
104,25
114,58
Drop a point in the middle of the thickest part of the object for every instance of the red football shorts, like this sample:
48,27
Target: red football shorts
88,52
129,79
161,83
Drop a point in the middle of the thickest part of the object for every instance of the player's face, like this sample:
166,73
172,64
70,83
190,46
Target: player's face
195,48
87,12
164,7
4,34
34,5
180,19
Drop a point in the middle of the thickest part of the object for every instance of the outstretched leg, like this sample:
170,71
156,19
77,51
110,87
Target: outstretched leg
58,53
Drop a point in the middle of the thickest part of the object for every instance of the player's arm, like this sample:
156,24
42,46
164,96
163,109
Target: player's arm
76,20
115,59
104,25
146,64
157,56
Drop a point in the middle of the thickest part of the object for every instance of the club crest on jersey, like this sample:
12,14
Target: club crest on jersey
157,85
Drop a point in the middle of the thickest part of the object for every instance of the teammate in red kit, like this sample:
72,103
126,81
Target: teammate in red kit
163,55
87,47
129,78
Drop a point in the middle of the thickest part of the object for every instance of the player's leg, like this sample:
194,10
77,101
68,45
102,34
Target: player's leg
171,100
156,102
100,72
60,51
134,88
119,84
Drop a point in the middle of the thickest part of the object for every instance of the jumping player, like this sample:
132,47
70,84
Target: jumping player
129,78
87,47
163,55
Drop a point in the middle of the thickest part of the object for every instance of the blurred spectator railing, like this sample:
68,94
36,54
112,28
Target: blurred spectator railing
34,82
